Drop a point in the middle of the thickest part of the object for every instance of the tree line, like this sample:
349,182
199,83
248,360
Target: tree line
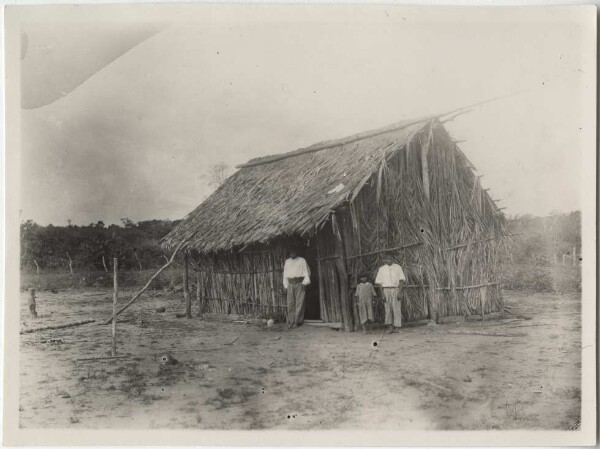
92,247
540,241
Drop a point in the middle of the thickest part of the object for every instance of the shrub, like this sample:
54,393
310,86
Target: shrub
539,278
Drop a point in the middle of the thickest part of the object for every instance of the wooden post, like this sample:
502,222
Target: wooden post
70,264
344,296
114,316
563,259
322,309
451,278
254,286
355,311
343,282
137,257
483,293
104,264
32,304
574,256
37,267
186,286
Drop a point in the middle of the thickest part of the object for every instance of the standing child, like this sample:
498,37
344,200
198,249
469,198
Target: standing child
365,293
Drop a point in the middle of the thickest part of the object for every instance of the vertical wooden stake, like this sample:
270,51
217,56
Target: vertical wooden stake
483,293
114,317
574,256
70,264
199,292
32,304
137,257
255,287
345,300
104,264
322,309
186,286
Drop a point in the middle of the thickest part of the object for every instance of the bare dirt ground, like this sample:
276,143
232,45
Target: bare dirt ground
503,374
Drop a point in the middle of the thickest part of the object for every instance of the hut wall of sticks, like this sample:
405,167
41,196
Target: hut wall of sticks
406,190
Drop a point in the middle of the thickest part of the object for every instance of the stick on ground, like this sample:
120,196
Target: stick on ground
58,326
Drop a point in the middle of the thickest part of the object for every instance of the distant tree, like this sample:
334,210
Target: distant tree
217,174
543,240
127,222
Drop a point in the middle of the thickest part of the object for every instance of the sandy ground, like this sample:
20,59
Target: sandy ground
511,374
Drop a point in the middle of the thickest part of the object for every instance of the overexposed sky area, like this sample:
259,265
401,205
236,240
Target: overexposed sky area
122,119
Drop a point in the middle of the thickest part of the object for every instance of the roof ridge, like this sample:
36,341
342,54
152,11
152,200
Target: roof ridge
326,144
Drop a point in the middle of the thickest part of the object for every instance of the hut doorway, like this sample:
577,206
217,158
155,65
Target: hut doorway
312,309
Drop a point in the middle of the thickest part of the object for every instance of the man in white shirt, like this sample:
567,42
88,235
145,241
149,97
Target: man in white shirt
296,276
391,277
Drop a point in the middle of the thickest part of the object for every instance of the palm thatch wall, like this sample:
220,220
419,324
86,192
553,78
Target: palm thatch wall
407,191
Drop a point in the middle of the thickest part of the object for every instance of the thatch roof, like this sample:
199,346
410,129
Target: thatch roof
289,194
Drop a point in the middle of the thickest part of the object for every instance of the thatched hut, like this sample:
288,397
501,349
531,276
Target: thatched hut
405,190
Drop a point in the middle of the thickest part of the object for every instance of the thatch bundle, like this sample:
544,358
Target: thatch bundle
406,190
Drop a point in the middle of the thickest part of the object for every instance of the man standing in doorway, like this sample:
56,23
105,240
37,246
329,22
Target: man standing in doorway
391,277
296,276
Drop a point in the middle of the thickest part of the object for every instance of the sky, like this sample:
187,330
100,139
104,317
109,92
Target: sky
125,119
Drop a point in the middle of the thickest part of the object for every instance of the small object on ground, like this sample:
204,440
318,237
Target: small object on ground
270,322
467,378
232,341
264,321
53,290
160,309
241,321
168,359
277,338
180,315
178,288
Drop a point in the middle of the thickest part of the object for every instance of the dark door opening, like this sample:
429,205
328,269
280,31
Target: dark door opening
312,310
